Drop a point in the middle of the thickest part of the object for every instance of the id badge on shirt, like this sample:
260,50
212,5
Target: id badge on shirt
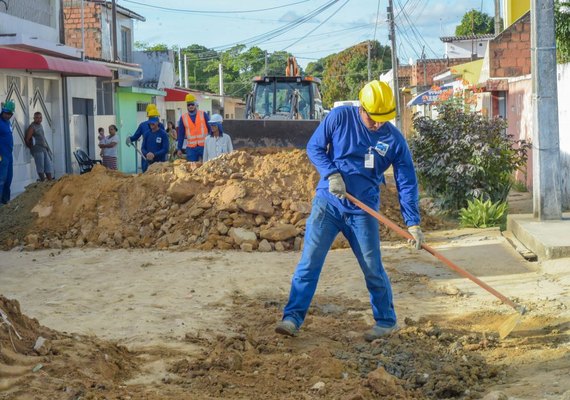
369,161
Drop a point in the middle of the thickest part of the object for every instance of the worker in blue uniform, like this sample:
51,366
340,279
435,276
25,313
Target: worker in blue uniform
155,143
351,149
151,111
6,148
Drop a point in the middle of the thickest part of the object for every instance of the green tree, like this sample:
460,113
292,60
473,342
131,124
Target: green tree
562,19
345,73
475,23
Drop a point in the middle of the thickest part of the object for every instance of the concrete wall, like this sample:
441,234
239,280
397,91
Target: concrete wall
15,21
520,115
564,121
465,48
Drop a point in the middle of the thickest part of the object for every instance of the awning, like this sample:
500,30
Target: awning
25,60
429,96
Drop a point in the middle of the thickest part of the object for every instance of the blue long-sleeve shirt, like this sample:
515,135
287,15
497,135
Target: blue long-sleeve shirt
340,144
142,128
6,139
156,143
182,130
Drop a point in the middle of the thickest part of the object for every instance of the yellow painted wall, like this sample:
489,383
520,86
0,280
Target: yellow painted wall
513,10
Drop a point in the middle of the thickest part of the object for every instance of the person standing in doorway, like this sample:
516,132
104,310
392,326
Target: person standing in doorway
36,141
351,149
192,126
217,142
6,149
109,148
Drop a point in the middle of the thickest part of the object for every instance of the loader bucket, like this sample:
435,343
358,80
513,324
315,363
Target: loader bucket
269,133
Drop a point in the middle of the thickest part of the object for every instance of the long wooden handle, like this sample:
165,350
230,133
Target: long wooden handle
433,252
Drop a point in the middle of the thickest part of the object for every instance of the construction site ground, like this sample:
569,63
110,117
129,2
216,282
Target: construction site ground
124,322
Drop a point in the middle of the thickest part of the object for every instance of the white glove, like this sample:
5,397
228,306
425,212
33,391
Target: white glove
418,235
336,186
129,141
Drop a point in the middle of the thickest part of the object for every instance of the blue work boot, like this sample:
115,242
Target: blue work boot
379,331
287,328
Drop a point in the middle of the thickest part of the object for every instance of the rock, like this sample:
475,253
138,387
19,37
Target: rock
182,190
279,246
196,212
383,383
319,387
222,228
303,207
279,232
496,395
32,239
118,237
226,200
257,206
259,220
246,247
298,244
42,211
264,246
42,346
240,235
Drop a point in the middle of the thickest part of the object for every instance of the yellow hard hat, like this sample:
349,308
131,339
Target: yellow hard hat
149,107
378,101
190,98
153,112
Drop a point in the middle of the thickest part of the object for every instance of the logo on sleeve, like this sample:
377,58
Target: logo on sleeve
159,140
381,148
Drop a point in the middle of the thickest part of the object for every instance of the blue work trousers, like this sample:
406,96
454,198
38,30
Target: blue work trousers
6,173
194,153
361,230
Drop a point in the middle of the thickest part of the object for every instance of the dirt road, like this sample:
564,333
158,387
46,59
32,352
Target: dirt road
199,325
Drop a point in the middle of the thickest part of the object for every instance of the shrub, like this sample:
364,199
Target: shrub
461,156
483,214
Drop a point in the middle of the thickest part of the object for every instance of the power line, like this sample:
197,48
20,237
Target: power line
318,26
181,10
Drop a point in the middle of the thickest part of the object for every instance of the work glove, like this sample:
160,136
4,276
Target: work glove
336,186
418,236
129,141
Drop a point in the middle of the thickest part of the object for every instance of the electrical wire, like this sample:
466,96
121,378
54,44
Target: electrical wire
180,10
318,26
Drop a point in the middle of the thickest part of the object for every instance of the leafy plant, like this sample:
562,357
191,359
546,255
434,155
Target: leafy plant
475,23
462,155
562,29
483,214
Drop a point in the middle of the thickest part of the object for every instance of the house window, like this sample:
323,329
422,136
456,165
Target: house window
105,97
126,45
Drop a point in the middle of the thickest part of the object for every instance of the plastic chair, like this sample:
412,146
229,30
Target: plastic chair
85,163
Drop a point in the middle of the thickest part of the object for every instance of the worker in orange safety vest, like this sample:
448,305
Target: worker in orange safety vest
193,126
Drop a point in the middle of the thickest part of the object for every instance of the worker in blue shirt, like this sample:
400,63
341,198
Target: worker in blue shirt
351,149
151,111
155,143
6,148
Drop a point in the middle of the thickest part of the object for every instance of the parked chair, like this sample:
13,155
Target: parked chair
86,164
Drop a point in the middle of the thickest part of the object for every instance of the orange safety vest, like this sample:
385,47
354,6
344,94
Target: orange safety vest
195,132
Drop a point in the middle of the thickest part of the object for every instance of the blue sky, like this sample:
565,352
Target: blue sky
341,25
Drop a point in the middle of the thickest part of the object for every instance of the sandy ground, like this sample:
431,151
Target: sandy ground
166,307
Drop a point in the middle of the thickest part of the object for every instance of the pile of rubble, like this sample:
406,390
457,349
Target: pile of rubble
248,200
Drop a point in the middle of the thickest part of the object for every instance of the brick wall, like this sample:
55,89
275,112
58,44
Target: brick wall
509,52
432,67
92,23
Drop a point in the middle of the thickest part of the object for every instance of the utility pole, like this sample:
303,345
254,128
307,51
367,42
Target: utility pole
221,73
547,182
369,70
266,63
497,17
180,67
114,30
390,13
185,70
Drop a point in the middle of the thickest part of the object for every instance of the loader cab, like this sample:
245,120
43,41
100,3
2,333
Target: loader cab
285,97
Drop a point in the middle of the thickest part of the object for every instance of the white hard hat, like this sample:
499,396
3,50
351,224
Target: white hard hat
216,119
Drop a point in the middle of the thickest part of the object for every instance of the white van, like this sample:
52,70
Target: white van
354,103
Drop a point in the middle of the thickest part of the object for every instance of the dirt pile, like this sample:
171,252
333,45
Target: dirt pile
249,200
43,363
